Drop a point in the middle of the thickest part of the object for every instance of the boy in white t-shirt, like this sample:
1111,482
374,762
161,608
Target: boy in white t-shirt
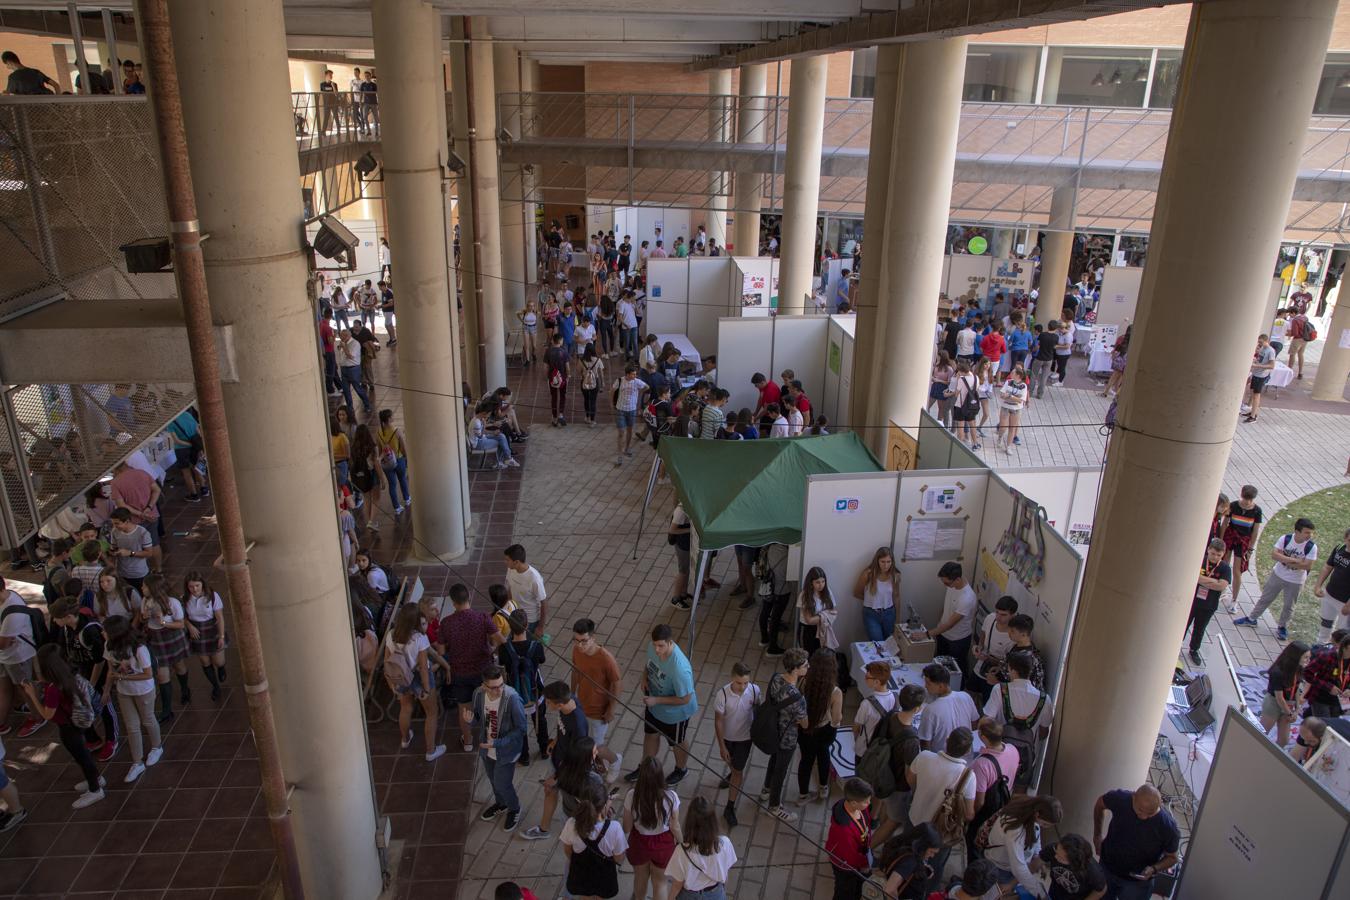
733,709
526,587
1295,556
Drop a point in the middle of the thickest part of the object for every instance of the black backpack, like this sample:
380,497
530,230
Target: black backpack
995,798
1021,733
524,673
971,405
41,634
764,730
875,766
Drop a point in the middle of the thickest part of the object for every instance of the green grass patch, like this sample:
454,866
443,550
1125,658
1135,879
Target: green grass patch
1330,512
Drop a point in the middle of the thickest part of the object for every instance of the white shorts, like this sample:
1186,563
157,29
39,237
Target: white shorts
597,730
1331,611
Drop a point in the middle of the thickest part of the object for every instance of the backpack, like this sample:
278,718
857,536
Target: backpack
524,674
85,705
590,376
1309,331
1021,733
972,402
555,378
996,796
764,730
875,766
948,820
37,621
397,671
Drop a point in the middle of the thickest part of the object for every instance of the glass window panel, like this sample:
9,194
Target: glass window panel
1096,76
996,73
1333,93
864,81
1166,76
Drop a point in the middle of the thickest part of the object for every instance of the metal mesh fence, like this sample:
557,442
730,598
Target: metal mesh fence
79,177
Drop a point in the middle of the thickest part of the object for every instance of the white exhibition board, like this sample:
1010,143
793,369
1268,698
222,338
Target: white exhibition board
1264,828
801,343
1120,295
641,224
968,278
667,297
688,296
834,399
919,526
744,347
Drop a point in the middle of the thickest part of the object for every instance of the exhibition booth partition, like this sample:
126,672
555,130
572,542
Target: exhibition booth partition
818,349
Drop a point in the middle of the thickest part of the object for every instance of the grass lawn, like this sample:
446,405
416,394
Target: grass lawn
1330,512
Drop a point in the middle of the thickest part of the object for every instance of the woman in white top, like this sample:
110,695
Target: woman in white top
651,821
341,305
703,860
816,613
878,587
1015,840
1012,399
166,633
595,845
943,371
205,628
373,574
529,323
407,668
132,670
985,389
116,597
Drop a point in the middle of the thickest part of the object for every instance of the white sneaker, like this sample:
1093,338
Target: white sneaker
407,740
87,799
137,770
153,756
615,768
398,510
511,464
435,754
783,814
83,786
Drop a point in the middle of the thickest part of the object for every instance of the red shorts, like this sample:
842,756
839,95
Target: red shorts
656,849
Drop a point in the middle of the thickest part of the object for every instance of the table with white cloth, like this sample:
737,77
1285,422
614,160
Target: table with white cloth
686,347
1099,360
902,673
1282,376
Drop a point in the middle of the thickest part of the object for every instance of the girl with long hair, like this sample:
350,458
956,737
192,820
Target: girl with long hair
943,370
1119,355
365,473
592,377
131,669
166,632
595,845
878,587
116,597
1013,397
816,612
63,692
340,445
529,324
391,449
824,712
1015,839
905,861
699,868
407,650
651,821
1284,684
1073,871
205,628
984,381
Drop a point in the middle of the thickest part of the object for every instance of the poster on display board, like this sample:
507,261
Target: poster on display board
968,278
1120,295
1010,277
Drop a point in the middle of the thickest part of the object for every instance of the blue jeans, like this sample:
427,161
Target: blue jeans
1118,888
351,378
499,441
500,774
398,478
713,893
342,469
879,623
630,342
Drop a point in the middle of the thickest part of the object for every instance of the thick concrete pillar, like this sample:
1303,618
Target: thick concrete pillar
923,162
1056,253
314,75
748,194
506,74
1335,365
529,83
247,180
414,147
801,181
486,193
1175,424
721,112
469,298
871,315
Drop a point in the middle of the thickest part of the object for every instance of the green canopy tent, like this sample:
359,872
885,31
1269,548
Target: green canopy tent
750,493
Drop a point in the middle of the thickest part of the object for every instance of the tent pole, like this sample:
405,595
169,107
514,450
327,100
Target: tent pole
647,501
701,571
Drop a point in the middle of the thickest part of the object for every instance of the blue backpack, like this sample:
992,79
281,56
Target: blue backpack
524,673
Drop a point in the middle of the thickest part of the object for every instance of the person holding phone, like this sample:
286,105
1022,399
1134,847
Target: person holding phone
1141,841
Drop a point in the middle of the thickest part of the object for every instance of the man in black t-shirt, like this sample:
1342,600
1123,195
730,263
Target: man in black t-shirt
1333,589
625,256
1043,357
23,80
1141,841
1215,576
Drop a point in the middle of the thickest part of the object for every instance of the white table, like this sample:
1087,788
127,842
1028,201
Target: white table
686,347
1282,376
902,673
1099,360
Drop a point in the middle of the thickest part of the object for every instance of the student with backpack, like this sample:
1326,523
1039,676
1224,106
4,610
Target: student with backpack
965,396
521,658
1023,711
849,840
501,733
132,671
773,732
22,631
81,641
894,746
592,376
408,671
556,360
595,845
874,708
905,861
69,700
994,770
1295,555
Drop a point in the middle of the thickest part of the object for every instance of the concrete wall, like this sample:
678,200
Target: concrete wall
672,78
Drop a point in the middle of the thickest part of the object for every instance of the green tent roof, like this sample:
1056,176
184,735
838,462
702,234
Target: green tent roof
754,492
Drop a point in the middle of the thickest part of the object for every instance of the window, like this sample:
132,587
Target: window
1166,76
1001,74
864,82
1096,76
1333,93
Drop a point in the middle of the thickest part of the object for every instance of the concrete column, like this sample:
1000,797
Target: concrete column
720,130
1056,253
483,172
506,74
314,75
413,141
469,298
529,83
247,179
1335,365
1176,421
748,196
923,162
871,315
801,181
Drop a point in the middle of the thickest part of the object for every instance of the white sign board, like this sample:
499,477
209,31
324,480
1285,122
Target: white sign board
1120,295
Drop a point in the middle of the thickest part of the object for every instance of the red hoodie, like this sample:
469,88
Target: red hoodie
849,839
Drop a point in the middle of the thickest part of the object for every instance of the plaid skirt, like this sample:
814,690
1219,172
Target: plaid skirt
208,636
167,645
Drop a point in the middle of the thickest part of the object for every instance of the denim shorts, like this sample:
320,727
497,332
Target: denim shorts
625,418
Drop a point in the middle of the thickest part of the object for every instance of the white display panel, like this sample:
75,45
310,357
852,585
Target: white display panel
744,347
968,278
1264,828
709,295
920,588
801,343
1052,488
844,398
827,404
667,297
1120,295
753,293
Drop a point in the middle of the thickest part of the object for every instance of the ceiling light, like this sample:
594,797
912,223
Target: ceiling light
1343,81
1141,74
1098,80
1116,77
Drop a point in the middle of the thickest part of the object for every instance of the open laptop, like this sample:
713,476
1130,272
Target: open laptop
1192,721
1197,693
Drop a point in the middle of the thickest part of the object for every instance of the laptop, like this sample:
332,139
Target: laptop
1196,693
1192,721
